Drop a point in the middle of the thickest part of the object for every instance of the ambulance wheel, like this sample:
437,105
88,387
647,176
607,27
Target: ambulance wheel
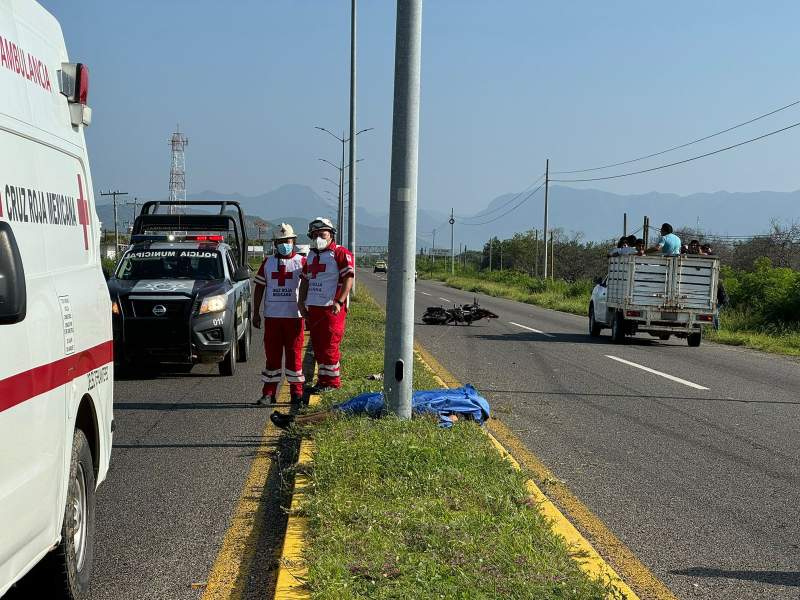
228,365
244,343
694,339
618,328
70,564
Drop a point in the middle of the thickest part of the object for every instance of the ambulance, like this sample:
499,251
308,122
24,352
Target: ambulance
56,347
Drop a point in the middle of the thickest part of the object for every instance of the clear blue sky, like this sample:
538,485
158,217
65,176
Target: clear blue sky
505,85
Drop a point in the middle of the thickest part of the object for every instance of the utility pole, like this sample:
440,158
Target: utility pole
452,256
351,221
625,224
646,232
546,188
135,204
536,253
501,255
553,254
491,239
433,249
116,229
398,361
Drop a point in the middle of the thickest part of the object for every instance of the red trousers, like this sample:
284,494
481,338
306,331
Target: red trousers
283,335
326,331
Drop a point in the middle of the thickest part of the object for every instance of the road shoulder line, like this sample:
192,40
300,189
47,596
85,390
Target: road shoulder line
228,575
591,561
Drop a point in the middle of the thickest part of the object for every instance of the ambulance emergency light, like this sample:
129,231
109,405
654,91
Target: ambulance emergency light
73,82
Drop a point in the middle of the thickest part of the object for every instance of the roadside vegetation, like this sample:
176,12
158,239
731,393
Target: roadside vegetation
763,312
409,510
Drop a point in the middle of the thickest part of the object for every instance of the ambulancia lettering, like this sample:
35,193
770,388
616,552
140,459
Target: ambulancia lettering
24,64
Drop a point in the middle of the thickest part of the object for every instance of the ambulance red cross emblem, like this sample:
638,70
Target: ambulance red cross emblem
83,213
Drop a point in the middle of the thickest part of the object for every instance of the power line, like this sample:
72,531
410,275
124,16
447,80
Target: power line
702,139
680,162
504,205
512,209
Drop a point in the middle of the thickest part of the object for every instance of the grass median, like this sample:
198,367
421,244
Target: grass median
737,328
409,510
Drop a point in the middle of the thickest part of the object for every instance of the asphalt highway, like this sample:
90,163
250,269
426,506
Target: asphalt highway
691,456
183,446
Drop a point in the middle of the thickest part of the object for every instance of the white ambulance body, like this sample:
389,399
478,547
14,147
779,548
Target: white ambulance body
56,349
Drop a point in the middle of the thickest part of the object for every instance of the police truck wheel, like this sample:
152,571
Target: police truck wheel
244,343
618,328
228,365
594,326
69,566
694,339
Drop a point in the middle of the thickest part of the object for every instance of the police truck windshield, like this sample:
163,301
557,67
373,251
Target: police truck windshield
171,264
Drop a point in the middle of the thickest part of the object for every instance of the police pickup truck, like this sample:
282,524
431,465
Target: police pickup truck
183,297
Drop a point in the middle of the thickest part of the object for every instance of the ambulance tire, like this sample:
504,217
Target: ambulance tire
69,566
244,344
228,365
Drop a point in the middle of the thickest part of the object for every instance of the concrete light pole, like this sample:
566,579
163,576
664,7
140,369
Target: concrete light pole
351,221
398,363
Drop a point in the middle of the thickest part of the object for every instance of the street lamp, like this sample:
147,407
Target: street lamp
342,140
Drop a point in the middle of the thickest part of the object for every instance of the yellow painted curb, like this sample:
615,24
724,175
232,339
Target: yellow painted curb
292,569
590,562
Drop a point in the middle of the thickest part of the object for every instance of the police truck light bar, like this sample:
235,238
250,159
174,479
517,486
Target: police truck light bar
138,237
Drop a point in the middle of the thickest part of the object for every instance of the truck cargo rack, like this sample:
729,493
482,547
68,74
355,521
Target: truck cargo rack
150,220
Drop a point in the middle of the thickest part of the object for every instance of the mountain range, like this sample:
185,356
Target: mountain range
595,214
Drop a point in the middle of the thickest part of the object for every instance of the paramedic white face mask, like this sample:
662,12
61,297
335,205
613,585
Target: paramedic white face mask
320,243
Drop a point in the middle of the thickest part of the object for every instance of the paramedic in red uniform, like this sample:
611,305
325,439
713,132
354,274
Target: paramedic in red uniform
277,283
327,280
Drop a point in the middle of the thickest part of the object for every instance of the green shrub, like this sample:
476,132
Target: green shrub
768,296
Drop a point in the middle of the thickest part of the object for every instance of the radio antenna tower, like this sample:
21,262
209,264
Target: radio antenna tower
177,174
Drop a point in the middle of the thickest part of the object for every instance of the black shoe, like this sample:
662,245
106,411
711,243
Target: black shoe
281,420
263,401
297,398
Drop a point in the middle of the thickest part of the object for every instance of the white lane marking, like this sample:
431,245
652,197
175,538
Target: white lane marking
659,373
426,293
532,329
445,299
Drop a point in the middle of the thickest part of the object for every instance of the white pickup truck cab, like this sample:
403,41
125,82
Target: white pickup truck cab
56,347
659,295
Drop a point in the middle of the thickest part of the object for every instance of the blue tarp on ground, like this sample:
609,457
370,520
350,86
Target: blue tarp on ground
465,402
